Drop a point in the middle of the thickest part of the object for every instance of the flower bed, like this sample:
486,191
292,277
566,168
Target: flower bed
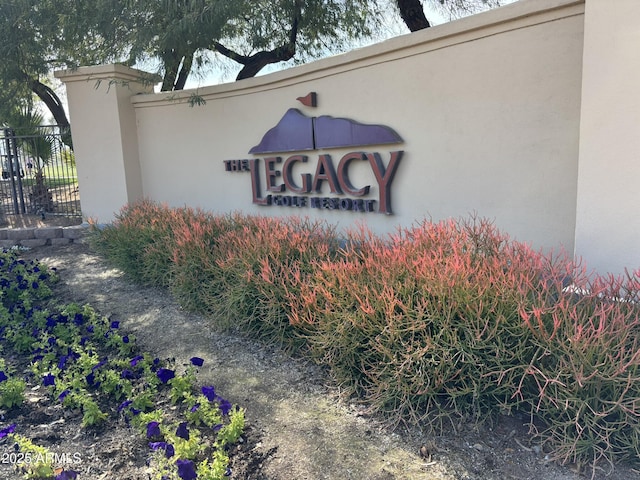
90,368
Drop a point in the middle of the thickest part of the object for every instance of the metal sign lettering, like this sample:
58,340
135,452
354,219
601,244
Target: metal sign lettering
296,132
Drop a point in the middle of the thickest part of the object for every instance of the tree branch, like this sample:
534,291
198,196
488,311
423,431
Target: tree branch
54,104
256,62
412,14
185,69
51,100
171,63
177,67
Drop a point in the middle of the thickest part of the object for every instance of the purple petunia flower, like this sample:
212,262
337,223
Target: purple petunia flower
63,395
3,376
48,380
124,405
195,408
63,361
127,374
7,430
169,451
182,431
90,328
67,475
91,380
165,374
209,392
186,470
153,429
224,405
134,361
115,324
197,361
125,339
100,364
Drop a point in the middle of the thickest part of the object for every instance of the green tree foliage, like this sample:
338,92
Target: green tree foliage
182,37
22,60
254,33
41,35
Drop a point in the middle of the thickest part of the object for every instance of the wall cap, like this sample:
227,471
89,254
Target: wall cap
114,71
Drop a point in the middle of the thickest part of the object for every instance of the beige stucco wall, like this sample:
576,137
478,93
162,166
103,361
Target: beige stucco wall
105,137
526,114
608,211
488,107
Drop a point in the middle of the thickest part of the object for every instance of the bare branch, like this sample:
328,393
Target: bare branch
256,62
412,14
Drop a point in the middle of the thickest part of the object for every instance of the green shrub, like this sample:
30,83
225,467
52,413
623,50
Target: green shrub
584,378
195,257
424,324
238,269
438,322
260,266
138,242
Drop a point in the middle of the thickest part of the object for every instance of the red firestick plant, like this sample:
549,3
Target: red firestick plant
436,323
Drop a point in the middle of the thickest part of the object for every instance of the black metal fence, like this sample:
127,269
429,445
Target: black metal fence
38,173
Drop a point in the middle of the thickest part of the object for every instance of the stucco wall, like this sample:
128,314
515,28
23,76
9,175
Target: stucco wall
488,108
105,138
608,213
492,110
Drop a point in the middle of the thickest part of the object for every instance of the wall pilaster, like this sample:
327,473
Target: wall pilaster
103,126
608,195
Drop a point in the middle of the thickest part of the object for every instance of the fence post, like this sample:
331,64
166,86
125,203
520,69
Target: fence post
105,137
11,149
607,213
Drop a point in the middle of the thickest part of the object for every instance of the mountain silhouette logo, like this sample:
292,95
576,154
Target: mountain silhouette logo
295,132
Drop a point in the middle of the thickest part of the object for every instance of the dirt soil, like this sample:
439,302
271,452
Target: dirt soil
298,428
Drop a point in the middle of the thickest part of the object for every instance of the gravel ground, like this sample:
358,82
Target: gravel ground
298,429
